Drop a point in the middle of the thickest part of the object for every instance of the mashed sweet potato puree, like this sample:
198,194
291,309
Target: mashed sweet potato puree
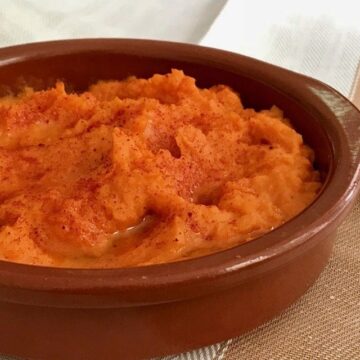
142,171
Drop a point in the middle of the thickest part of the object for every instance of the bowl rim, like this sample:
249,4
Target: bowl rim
343,181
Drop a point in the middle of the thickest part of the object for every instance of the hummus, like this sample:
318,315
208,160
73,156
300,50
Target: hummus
138,172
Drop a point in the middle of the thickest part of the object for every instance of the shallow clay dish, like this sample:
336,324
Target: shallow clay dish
54,313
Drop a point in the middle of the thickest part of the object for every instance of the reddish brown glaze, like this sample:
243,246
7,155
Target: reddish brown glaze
50,313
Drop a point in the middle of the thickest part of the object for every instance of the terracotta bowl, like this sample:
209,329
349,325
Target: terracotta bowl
138,313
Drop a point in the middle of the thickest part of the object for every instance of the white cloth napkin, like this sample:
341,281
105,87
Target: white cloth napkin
315,37
23,21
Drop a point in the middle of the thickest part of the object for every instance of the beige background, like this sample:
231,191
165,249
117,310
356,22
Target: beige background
355,91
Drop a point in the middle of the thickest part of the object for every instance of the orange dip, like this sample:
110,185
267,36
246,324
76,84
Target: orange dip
139,172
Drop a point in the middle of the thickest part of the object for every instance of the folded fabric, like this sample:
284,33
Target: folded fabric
23,21
318,38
